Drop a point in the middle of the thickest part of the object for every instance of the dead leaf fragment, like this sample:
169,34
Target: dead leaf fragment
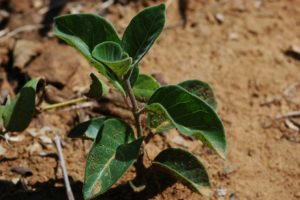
24,52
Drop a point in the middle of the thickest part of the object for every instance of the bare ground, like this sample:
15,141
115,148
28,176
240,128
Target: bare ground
246,51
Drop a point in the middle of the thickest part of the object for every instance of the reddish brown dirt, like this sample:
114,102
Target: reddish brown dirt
244,56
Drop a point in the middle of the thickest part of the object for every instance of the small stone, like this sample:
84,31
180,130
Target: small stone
35,148
221,192
46,141
228,169
257,3
15,180
32,132
220,17
233,36
37,3
250,152
178,140
3,15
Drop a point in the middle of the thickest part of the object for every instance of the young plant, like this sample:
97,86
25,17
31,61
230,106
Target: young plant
190,106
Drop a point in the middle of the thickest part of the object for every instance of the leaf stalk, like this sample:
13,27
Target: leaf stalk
65,103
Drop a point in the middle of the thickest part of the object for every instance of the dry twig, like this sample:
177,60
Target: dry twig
63,167
26,28
289,114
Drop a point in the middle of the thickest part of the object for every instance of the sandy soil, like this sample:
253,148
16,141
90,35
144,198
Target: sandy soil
248,53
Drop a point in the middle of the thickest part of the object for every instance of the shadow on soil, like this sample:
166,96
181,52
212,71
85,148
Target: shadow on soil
156,183
54,9
40,191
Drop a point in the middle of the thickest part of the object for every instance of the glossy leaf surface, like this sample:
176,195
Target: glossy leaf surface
142,31
186,167
144,87
112,55
112,153
202,90
88,129
172,106
134,75
18,113
84,32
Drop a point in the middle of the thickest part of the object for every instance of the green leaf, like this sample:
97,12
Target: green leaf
97,88
112,55
173,106
112,153
142,31
19,112
134,75
144,87
202,90
84,32
185,167
1,113
88,129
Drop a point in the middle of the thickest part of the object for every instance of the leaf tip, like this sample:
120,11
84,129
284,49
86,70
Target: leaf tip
221,152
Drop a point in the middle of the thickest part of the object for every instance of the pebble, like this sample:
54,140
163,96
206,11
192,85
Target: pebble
15,180
220,17
45,140
221,192
228,169
179,140
233,36
35,148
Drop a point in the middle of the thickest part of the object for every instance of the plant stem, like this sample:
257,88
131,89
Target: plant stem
63,167
65,103
136,111
135,108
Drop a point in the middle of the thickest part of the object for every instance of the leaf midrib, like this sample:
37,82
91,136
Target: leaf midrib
104,168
